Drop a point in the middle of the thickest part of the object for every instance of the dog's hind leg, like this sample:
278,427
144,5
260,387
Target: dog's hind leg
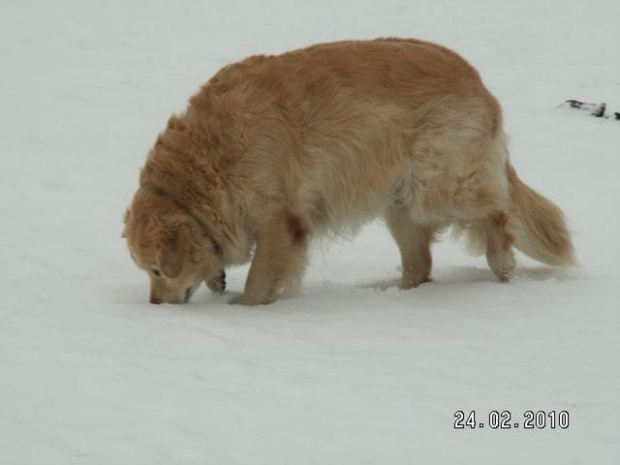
414,241
279,261
499,243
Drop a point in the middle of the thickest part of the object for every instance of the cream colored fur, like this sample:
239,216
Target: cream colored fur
276,150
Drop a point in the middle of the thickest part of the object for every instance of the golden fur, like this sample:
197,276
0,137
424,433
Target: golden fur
275,150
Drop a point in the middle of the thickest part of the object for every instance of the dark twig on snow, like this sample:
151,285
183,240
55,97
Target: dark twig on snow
595,109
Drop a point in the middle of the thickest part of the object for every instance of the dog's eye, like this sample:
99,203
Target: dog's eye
156,272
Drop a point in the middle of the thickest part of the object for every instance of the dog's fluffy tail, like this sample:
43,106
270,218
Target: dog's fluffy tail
539,225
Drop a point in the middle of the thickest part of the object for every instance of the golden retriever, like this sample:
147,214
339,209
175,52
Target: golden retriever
275,150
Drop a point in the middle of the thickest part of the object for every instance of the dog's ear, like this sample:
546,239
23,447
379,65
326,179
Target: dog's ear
174,251
170,262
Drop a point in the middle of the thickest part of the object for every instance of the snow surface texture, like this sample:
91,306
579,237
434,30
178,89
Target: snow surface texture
354,371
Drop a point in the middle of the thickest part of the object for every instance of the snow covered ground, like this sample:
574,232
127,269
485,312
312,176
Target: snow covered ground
354,371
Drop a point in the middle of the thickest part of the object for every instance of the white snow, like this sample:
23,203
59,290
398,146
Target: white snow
354,371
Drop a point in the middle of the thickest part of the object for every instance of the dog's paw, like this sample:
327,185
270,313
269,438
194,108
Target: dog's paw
504,275
218,284
251,301
412,282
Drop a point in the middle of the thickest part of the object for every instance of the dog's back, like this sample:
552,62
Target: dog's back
335,132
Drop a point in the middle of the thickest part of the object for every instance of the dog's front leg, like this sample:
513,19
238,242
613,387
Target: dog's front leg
279,261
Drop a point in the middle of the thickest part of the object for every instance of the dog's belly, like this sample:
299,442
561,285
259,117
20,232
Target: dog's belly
343,193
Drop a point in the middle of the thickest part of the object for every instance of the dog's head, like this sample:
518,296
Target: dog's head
173,249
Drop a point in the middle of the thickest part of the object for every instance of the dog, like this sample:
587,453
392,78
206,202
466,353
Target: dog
274,151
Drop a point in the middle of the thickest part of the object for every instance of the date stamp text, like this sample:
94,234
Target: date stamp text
504,419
